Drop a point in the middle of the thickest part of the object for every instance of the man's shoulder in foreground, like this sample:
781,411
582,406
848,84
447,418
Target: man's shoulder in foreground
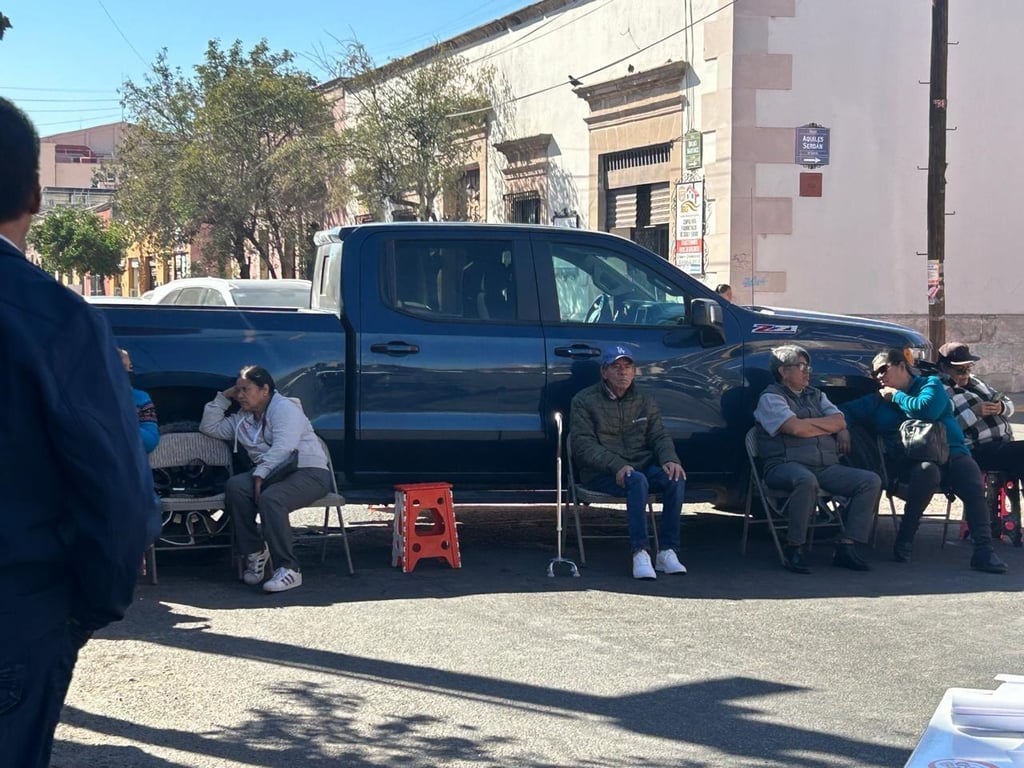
25,288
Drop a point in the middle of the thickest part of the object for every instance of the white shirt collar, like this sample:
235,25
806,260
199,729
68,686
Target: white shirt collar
11,243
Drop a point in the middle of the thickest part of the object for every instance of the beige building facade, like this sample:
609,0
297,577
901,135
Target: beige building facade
676,124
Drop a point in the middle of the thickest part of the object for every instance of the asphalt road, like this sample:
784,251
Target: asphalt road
738,663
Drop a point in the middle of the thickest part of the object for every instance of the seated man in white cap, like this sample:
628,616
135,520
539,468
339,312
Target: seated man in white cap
622,449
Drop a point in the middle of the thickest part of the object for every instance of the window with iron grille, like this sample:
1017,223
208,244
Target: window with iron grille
655,154
522,208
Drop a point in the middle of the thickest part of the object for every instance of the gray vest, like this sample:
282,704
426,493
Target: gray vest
809,451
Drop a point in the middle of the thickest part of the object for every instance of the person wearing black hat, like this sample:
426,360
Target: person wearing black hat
622,449
983,413
906,394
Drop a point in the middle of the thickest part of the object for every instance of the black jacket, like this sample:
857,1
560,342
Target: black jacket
77,508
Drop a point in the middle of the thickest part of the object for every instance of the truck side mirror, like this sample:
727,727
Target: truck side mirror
706,315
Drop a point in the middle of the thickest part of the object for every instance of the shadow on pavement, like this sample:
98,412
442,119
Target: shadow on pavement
322,729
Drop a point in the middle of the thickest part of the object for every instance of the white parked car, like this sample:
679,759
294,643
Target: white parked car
219,292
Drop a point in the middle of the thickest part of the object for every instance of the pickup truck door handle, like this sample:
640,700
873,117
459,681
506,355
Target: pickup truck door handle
395,348
577,351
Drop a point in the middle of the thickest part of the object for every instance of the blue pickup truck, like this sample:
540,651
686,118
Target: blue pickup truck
436,351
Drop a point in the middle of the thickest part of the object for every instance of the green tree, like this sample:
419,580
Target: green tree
240,155
5,24
71,240
411,126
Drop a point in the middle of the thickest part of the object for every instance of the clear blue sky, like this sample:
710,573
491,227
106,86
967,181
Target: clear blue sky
63,61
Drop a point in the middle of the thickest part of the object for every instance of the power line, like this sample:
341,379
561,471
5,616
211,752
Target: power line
54,90
603,67
122,34
105,117
66,101
524,39
448,25
76,110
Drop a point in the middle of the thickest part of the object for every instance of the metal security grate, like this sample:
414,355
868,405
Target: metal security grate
522,208
637,158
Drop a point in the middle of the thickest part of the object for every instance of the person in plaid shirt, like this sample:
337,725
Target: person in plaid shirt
983,413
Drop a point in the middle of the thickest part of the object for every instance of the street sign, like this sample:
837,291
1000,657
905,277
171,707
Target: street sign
693,144
689,250
812,145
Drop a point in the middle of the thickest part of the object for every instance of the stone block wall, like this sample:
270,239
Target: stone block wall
997,339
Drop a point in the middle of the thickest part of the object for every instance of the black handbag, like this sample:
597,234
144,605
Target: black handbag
924,441
282,470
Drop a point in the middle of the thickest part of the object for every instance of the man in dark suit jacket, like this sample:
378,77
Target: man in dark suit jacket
77,508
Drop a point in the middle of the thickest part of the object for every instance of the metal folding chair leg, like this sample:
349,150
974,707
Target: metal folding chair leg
344,537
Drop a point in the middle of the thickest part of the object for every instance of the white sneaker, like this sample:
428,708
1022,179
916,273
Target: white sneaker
255,566
283,580
642,566
668,562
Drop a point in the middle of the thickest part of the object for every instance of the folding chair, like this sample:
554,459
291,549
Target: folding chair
579,496
894,489
776,504
332,500
183,449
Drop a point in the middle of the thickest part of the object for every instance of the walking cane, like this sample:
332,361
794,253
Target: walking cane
558,505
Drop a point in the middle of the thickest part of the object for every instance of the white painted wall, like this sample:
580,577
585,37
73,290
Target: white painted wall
856,68
576,40
984,268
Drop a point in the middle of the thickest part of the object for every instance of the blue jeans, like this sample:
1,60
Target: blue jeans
638,486
34,680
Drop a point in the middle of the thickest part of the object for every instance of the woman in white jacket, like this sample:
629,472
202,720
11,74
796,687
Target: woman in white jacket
289,472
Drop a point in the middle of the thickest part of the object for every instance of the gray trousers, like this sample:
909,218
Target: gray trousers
300,489
861,486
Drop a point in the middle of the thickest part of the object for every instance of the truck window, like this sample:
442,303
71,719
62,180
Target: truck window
328,277
454,280
595,285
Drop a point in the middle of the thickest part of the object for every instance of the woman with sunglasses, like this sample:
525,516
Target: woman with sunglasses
904,394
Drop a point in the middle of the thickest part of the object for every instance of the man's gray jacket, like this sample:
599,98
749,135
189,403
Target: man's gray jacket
810,451
608,432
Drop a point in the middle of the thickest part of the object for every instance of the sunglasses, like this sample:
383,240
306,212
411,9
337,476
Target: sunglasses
881,370
802,367
961,369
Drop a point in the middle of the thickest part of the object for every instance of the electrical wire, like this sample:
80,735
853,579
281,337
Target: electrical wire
448,25
122,34
54,90
603,67
65,101
526,38
70,122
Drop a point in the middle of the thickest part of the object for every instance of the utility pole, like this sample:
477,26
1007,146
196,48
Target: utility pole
937,175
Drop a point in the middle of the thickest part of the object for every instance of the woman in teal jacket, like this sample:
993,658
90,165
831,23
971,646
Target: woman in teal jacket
904,394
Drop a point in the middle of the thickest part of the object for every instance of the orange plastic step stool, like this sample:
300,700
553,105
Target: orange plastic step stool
438,539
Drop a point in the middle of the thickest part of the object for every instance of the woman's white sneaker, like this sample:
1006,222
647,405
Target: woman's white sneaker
668,562
256,566
283,580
